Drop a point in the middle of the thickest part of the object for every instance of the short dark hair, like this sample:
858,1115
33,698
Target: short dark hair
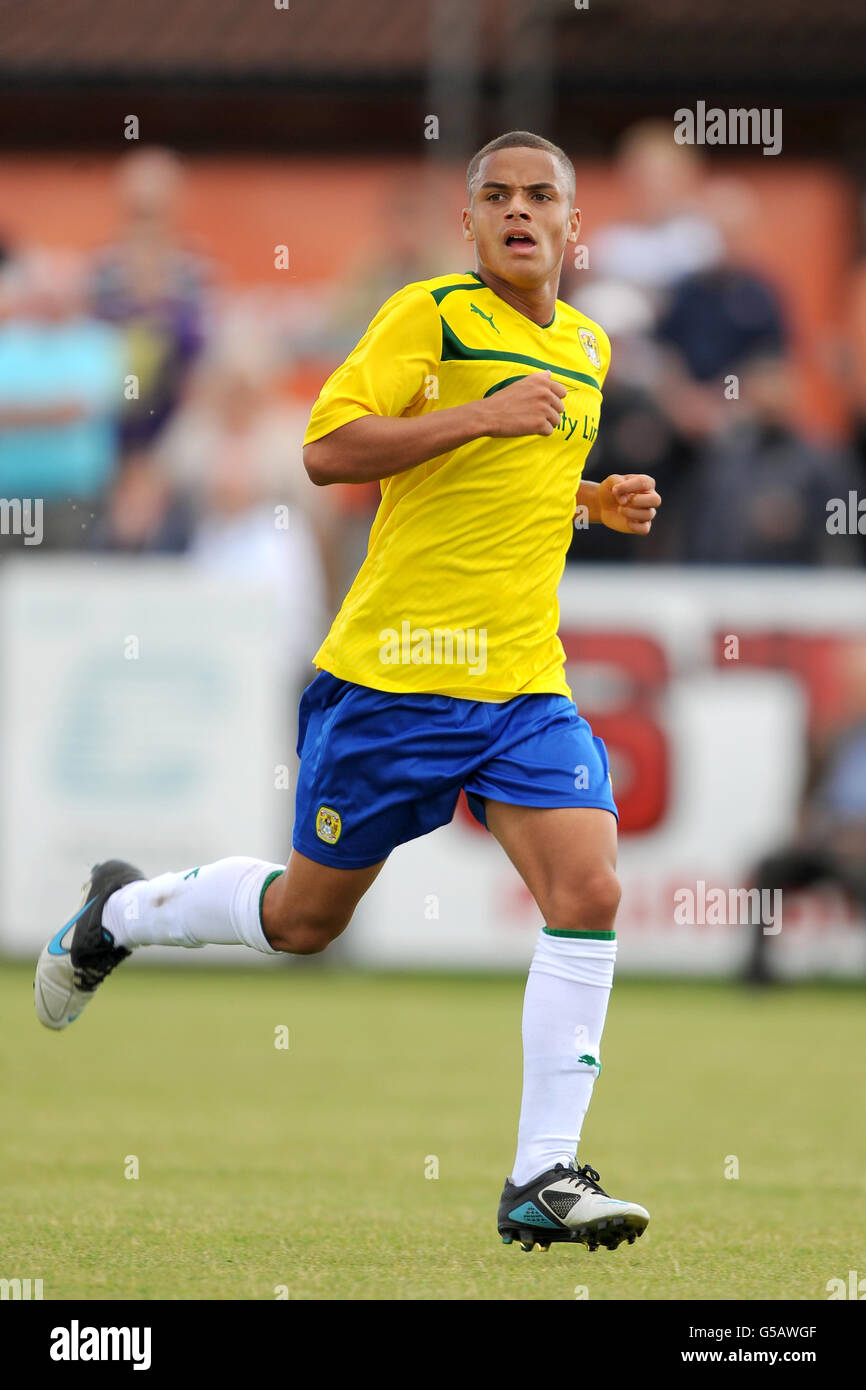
520,140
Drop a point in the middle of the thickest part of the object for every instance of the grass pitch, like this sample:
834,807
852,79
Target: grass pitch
303,1169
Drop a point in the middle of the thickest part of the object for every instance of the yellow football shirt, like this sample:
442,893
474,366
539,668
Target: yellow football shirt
458,592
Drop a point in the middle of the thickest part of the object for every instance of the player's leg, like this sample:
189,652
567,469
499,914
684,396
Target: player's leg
567,858
299,908
360,751
307,907
238,901
221,903
544,792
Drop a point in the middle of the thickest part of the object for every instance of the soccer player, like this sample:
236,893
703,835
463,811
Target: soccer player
474,399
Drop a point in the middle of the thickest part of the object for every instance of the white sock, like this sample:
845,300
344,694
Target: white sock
563,1017
216,903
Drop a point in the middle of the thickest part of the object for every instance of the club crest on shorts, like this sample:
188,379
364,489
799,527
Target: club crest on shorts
589,343
328,825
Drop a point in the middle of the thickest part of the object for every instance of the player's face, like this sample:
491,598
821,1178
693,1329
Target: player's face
520,216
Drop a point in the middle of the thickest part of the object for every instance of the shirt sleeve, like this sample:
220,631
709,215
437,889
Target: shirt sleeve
389,371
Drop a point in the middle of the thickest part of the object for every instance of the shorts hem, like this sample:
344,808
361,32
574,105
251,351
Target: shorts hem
547,805
317,853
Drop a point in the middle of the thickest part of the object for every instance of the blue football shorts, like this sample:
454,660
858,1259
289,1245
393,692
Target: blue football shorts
379,768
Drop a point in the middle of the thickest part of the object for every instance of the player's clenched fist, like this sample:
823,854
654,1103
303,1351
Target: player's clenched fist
628,502
532,405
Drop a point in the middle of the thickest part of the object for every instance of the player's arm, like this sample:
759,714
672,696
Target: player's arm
378,446
623,502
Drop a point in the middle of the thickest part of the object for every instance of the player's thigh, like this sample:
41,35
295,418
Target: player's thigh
311,903
566,856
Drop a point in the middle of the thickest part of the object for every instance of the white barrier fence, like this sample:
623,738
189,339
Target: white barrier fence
144,714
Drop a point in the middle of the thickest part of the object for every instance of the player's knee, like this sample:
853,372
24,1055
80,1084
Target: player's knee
298,933
307,942
590,905
300,939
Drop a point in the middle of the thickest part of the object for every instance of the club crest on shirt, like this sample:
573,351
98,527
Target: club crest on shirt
589,343
328,825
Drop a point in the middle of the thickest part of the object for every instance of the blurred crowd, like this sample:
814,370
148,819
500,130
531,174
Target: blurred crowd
145,400
149,418
702,389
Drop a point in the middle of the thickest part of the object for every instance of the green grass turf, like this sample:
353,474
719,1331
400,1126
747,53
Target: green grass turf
306,1168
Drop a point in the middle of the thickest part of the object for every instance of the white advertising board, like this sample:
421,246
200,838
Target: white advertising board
143,716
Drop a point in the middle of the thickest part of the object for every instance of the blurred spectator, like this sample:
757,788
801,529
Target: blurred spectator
61,384
760,490
853,365
142,513
636,437
401,251
719,317
668,234
5,278
153,287
636,266
232,422
235,438
830,844
239,535
637,434
716,321
234,450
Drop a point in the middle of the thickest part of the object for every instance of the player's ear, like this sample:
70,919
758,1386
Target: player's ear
466,221
573,225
